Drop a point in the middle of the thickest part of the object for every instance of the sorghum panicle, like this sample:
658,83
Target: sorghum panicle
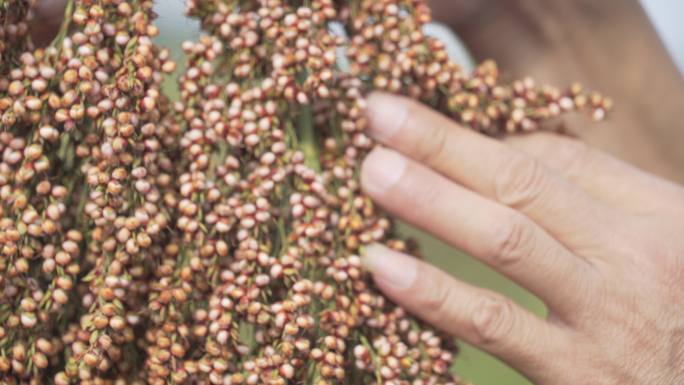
216,239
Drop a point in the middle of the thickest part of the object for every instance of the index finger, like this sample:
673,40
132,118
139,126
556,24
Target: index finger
607,178
490,168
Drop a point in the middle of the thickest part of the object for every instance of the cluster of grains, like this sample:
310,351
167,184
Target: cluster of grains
216,240
389,51
14,28
82,185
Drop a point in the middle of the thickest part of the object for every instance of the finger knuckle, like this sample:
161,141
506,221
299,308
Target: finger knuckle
519,181
512,241
423,196
493,320
437,298
434,147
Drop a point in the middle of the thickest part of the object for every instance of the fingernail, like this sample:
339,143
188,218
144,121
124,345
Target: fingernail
386,114
381,170
389,267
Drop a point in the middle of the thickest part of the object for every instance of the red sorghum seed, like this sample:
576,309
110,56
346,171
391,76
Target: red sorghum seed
216,239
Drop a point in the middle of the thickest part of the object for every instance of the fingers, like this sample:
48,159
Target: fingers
609,179
479,317
490,168
499,236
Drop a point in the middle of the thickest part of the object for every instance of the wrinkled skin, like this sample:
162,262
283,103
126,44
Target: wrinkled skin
597,239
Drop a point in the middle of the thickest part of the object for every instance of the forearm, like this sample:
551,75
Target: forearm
607,45
613,47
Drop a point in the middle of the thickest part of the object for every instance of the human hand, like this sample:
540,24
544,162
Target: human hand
599,241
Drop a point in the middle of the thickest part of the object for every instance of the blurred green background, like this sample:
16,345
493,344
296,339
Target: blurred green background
472,365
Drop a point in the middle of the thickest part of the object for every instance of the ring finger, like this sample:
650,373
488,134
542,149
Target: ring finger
477,316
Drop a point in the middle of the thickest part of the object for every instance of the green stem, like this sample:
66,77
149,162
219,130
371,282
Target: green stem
374,358
66,22
308,141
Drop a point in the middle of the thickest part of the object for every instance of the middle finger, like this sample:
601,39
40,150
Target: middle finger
499,236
